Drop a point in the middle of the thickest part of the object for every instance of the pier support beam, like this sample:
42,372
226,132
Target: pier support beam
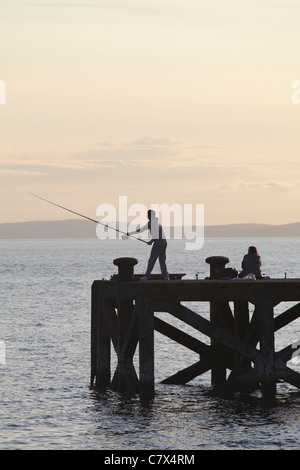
100,342
241,328
146,346
123,315
125,378
266,341
220,316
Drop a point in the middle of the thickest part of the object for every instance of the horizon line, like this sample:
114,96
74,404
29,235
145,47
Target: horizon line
123,222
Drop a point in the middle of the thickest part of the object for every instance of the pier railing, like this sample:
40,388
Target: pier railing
241,355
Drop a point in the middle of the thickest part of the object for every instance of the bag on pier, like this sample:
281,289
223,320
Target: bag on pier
226,273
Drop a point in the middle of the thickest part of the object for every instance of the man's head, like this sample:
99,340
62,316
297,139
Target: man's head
151,214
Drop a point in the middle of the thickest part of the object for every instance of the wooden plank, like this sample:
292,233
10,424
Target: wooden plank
181,337
247,382
287,317
287,374
205,326
203,290
286,353
189,373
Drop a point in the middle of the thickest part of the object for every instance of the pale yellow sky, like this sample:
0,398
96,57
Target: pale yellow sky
170,101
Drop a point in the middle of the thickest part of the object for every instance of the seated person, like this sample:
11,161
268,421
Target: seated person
251,263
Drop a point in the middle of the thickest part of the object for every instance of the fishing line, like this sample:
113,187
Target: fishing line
85,217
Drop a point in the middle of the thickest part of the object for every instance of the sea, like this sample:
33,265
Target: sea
46,399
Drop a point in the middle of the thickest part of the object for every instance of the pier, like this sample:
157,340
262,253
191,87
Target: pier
240,352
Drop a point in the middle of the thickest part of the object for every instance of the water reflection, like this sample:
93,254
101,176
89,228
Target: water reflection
186,417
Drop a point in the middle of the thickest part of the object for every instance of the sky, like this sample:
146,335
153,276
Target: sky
169,101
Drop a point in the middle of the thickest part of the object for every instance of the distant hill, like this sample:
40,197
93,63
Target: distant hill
48,229
253,230
76,228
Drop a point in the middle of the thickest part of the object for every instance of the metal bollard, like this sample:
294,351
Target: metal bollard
216,263
126,268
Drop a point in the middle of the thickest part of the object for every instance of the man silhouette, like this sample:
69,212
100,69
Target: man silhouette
159,248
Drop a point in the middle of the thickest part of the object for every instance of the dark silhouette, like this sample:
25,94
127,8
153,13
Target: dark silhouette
159,247
251,263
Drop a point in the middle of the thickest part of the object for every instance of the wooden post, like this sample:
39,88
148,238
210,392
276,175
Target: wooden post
125,378
266,340
241,328
220,316
94,329
218,370
145,310
100,343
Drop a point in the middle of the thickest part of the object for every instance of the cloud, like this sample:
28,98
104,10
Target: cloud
9,171
160,156
262,185
144,152
128,6
166,141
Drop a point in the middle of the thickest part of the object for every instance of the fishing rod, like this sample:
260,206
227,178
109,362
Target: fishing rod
85,217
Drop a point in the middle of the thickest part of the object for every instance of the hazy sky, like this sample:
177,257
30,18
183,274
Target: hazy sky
169,101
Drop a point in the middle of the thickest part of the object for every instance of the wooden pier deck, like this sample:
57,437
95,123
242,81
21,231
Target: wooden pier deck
241,352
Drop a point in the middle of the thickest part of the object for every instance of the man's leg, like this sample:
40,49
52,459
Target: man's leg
155,252
162,260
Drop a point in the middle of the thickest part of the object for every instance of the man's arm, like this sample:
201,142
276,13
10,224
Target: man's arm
139,230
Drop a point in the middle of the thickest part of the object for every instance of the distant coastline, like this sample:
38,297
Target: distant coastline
74,228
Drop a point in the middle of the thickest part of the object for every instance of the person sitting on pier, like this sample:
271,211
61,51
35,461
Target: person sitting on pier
251,263
159,247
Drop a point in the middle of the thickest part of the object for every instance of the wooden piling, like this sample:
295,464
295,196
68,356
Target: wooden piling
241,355
100,342
145,309
266,340
125,378
220,316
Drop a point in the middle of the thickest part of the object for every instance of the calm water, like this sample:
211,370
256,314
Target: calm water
46,402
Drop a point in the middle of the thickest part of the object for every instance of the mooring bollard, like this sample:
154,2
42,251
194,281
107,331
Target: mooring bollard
216,263
126,268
